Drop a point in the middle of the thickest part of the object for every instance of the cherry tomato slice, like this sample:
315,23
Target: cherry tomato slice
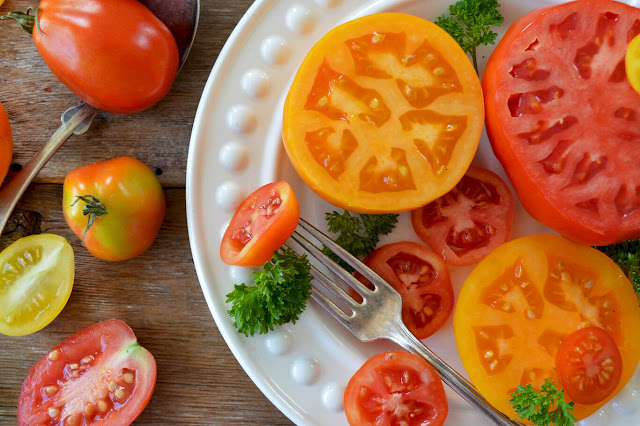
564,121
260,225
589,365
395,388
422,279
97,376
468,222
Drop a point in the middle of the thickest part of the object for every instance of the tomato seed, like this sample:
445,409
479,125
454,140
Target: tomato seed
89,410
119,394
53,412
54,354
112,386
50,390
72,420
87,359
102,406
128,377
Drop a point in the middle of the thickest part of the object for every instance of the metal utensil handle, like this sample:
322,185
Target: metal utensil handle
75,121
403,337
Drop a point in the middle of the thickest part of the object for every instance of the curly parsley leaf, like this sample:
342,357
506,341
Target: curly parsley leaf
469,23
543,408
358,234
279,295
627,255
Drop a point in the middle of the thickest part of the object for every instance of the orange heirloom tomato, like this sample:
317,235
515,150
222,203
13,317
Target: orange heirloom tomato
116,207
524,299
384,114
6,143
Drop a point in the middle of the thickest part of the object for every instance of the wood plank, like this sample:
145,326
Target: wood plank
158,295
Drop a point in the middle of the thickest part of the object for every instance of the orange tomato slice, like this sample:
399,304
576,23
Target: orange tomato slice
384,114
522,300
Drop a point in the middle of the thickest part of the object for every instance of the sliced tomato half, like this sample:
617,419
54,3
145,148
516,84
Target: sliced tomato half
422,279
395,388
100,375
468,222
564,121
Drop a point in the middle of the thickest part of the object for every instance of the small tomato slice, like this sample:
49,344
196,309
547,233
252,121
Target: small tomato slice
589,365
632,63
384,114
523,299
468,222
36,279
6,143
395,388
422,279
126,200
260,225
98,376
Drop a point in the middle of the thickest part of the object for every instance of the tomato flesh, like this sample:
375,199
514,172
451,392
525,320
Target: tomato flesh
384,114
421,278
522,301
395,388
589,365
98,376
468,222
562,118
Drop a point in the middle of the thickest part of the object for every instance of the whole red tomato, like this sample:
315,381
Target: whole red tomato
6,143
114,54
116,207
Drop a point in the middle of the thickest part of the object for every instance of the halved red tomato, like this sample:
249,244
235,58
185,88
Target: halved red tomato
422,279
467,223
384,114
564,121
260,225
395,388
100,375
589,365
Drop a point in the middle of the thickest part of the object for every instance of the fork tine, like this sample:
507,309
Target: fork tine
334,288
333,309
362,289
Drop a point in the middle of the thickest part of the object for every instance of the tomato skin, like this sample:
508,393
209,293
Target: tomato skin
114,54
263,234
592,353
478,210
112,348
133,198
6,143
427,300
414,388
552,197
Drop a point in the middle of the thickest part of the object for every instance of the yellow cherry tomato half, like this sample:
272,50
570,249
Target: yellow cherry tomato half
632,63
36,278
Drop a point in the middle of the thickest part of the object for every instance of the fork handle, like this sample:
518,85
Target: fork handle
403,337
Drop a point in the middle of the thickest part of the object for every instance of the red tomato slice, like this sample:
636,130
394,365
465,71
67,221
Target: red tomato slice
262,223
564,121
422,279
468,222
395,388
97,376
589,365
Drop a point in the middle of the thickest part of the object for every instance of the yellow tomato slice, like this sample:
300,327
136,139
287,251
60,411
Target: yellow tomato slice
632,63
384,114
36,278
522,300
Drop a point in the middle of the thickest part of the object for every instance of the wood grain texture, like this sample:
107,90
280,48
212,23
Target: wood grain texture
157,293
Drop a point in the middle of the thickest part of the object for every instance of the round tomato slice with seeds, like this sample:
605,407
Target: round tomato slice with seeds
523,300
384,114
98,376
422,279
260,225
589,365
468,222
563,119
395,388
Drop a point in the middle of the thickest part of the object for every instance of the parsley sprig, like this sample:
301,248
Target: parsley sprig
543,408
358,234
627,255
279,295
469,23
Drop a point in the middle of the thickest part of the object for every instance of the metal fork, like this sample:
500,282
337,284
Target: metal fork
378,316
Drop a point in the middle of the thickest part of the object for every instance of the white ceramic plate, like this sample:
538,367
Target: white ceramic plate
236,147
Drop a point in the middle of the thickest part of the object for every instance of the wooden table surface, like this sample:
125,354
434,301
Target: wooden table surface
157,293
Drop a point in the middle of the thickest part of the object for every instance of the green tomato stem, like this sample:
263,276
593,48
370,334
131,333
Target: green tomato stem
93,209
26,21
